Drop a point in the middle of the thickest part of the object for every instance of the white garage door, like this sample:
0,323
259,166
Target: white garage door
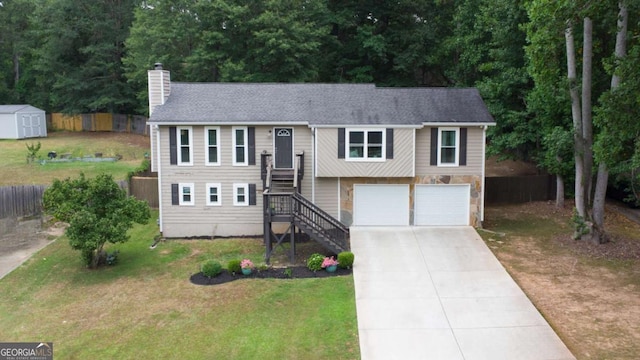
380,204
441,205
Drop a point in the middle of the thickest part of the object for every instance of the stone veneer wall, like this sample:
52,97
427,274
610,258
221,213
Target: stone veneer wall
346,192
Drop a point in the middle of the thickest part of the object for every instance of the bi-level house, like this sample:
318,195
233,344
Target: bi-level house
235,158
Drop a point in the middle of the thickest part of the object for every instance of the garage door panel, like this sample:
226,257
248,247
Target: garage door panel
381,205
441,204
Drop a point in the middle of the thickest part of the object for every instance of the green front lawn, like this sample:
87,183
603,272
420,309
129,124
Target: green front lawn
145,307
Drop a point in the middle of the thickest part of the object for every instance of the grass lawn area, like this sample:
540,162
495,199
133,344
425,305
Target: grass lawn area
14,169
144,307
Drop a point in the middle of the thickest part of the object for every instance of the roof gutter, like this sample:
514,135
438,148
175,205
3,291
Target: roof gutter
376,126
238,123
444,123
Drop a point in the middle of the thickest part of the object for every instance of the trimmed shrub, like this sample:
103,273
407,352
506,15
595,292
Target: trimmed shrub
211,268
314,262
234,266
345,260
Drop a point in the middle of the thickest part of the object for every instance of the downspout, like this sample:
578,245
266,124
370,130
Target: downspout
484,156
313,165
159,167
340,203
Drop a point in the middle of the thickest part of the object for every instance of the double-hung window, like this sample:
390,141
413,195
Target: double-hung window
366,144
214,194
185,143
240,142
240,194
448,146
186,194
212,143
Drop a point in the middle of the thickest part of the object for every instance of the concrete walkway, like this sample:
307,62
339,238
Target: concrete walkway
439,293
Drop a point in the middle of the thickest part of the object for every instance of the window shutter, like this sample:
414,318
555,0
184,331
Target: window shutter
251,135
389,143
252,194
175,197
173,146
462,161
434,146
341,143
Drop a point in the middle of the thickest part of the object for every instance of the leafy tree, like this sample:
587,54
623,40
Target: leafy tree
79,52
97,210
389,43
594,25
488,51
14,44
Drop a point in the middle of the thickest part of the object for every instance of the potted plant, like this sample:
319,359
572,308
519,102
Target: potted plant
330,264
247,266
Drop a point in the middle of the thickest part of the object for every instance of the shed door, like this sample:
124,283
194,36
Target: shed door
26,126
441,204
381,205
283,148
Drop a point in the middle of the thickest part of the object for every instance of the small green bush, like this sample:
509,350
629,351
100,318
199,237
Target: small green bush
211,268
345,260
234,266
314,262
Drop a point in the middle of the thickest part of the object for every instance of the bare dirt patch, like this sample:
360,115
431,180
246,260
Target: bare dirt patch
590,294
495,167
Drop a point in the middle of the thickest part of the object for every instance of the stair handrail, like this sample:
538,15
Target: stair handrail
325,215
337,232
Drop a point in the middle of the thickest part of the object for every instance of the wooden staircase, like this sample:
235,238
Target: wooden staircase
283,203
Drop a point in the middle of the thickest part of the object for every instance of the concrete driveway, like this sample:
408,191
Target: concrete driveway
439,293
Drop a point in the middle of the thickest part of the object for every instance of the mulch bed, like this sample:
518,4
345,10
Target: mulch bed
297,272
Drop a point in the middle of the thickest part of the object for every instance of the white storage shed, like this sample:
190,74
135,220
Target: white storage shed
22,121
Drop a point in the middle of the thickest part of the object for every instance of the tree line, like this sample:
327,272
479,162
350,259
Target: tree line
546,69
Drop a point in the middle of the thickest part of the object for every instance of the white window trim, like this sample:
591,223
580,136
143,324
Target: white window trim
365,157
217,186
181,201
206,145
457,152
179,142
246,146
237,186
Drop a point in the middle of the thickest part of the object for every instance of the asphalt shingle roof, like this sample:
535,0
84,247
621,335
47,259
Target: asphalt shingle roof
319,104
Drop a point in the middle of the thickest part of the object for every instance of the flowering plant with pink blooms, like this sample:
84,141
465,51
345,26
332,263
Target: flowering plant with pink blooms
246,264
329,262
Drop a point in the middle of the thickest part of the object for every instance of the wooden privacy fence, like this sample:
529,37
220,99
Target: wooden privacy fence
19,201
99,122
519,189
26,200
145,188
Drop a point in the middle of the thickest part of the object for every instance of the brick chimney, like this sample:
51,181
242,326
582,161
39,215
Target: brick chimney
159,86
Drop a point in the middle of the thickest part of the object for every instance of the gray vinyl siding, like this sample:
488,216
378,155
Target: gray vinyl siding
475,157
227,219
327,195
329,165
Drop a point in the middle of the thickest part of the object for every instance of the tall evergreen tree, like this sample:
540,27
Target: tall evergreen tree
79,55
